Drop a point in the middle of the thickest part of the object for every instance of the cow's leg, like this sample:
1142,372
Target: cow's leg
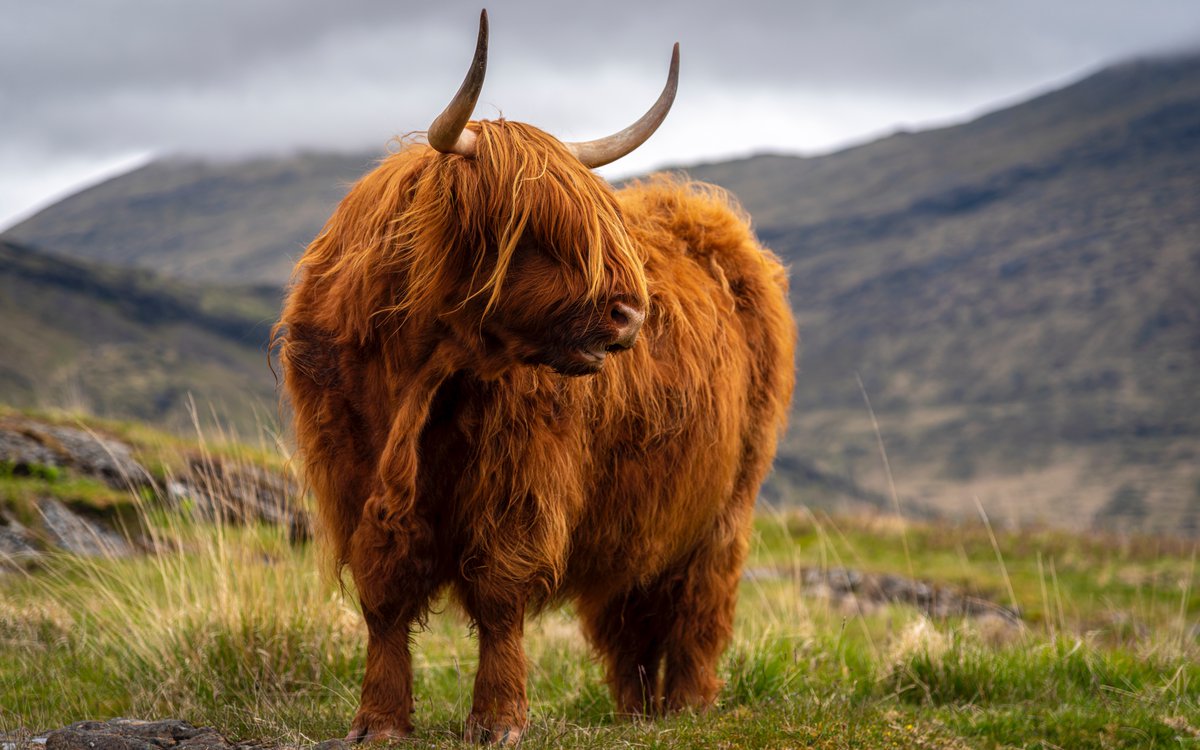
629,631
499,709
394,572
702,601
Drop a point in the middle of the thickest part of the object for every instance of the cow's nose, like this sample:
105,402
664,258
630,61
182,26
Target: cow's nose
627,321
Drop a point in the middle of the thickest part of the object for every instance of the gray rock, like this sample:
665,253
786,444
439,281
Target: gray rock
100,457
18,545
23,452
846,586
79,535
229,491
73,739
26,443
131,734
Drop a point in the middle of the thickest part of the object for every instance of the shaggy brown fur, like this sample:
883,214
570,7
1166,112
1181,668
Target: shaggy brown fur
428,345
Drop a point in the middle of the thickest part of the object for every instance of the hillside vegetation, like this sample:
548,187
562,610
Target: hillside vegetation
127,343
1017,295
233,626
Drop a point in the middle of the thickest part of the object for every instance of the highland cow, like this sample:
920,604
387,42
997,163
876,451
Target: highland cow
515,383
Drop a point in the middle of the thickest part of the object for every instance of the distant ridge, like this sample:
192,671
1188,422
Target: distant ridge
240,222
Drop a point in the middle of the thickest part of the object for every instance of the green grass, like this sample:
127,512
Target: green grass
238,629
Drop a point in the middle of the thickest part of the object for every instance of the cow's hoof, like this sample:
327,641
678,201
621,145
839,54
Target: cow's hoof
484,731
371,732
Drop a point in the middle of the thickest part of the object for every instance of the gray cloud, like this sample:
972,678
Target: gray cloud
94,83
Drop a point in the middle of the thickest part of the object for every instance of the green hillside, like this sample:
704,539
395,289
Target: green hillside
125,343
1017,294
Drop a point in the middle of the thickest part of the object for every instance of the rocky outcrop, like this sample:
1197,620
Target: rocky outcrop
131,734
859,591
17,543
27,445
208,487
122,734
215,490
76,533
23,452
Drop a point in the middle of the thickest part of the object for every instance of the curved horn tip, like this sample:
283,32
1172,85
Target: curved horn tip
606,150
447,133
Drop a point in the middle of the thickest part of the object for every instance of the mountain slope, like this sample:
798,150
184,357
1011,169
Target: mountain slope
234,222
1019,296
1017,293
127,344
930,168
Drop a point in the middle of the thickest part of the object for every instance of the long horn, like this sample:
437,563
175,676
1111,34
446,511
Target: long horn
599,152
448,132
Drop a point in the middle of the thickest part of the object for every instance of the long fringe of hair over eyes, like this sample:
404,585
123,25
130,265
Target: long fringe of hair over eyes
431,219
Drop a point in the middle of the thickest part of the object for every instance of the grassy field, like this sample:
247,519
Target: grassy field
236,627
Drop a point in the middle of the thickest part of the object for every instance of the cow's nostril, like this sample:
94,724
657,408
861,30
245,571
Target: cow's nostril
628,321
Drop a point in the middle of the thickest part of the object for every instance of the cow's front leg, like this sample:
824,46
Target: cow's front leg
394,560
500,710
385,708
393,567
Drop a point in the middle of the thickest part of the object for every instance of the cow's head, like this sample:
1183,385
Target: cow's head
538,254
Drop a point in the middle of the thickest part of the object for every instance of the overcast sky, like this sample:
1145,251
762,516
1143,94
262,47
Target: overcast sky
91,87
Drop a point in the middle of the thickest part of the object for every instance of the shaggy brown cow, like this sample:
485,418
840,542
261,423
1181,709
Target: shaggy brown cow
429,343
